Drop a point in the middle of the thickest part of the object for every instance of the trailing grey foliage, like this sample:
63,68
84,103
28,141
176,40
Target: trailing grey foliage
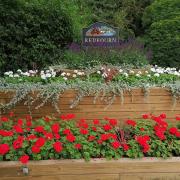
32,93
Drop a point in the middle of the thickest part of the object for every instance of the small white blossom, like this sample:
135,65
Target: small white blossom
139,72
74,75
43,76
48,75
149,75
156,74
109,70
99,72
68,74
146,72
19,71
63,74
11,75
120,70
131,71
138,75
65,78
126,74
16,75
75,71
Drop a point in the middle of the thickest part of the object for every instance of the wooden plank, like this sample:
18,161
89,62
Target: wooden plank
150,176
73,93
90,100
95,166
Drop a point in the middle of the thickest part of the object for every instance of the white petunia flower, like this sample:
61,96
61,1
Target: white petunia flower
156,74
48,75
99,72
149,75
65,78
63,74
75,71
68,74
16,75
126,74
120,70
138,75
43,76
74,75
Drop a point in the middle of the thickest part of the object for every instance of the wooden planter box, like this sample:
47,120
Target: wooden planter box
158,100
96,169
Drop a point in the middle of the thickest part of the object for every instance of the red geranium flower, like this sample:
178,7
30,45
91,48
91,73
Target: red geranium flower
18,128
48,136
35,149
131,122
20,122
125,147
145,116
67,131
94,128
107,127
4,119
146,148
17,144
163,115
173,130
31,137
91,138
58,146
24,159
104,137
78,146
40,142
116,144
83,131
177,117
113,122
28,117
70,137
6,133
4,148
95,121
57,136
178,134
28,123
39,129
141,129
55,128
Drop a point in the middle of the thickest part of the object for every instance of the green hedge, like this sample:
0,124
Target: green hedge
164,39
32,33
161,10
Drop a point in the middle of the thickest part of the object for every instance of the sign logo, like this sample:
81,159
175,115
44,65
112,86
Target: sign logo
100,34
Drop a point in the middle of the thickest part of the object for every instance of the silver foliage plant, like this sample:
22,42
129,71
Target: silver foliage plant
32,93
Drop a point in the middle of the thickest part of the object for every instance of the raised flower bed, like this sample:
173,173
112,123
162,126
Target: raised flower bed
96,93
46,140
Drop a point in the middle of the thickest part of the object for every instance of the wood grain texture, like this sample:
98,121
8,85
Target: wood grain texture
96,169
133,105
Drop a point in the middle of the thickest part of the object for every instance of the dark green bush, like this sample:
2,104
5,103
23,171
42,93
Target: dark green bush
161,10
164,39
32,32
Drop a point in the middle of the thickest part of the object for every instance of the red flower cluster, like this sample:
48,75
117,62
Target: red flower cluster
142,140
4,148
131,122
58,147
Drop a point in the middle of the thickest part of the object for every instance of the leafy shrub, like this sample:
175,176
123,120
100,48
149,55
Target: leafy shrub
161,10
32,33
164,40
161,19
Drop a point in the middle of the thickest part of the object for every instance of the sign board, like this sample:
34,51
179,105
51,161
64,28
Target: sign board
100,34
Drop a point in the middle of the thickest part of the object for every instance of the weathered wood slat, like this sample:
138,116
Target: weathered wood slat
145,168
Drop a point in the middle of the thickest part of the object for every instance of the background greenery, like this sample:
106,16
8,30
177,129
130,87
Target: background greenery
36,33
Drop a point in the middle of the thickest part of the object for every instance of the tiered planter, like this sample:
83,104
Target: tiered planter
97,169
158,100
